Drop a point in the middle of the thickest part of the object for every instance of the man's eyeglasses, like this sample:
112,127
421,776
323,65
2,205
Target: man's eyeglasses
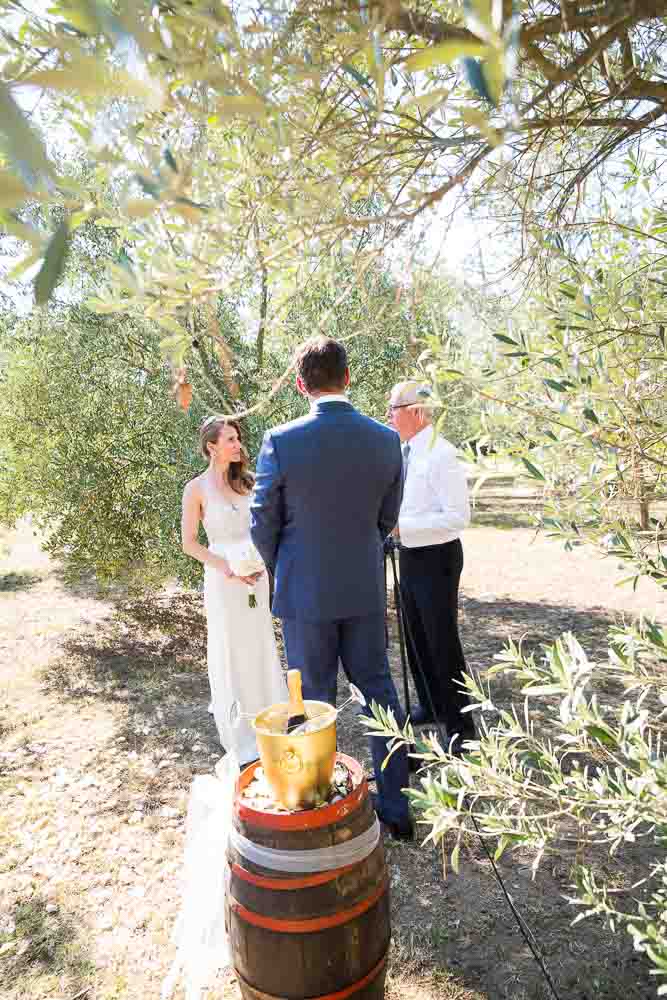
398,406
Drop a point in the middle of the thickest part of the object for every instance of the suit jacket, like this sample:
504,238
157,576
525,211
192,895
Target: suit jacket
328,491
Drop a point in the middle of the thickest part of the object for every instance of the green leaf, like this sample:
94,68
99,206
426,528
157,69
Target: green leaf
79,218
148,186
52,269
168,322
245,105
170,161
533,470
493,69
93,76
477,118
191,209
174,340
506,340
139,208
479,17
10,224
105,308
359,77
427,101
475,73
25,145
591,415
12,189
601,735
553,384
503,842
23,265
444,54
541,689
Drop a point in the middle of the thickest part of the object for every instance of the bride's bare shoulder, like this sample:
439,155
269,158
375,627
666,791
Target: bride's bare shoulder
195,487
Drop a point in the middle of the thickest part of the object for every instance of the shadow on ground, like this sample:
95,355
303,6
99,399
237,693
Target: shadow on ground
150,654
463,922
46,941
18,581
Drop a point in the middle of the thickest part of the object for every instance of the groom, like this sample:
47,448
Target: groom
328,491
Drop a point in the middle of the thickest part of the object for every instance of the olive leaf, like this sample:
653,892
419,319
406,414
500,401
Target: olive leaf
25,145
53,265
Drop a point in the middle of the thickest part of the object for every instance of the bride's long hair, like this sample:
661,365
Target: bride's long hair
241,478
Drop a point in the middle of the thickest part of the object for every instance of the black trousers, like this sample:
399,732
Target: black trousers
430,594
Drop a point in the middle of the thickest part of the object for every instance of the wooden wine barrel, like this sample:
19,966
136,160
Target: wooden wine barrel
322,935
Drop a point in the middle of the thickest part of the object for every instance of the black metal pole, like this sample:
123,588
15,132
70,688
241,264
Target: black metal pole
403,629
401,635
386,609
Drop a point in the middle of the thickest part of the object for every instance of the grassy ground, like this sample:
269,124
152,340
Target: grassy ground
103,724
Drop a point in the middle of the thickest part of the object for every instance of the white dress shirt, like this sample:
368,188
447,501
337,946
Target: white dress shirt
330,397
435,506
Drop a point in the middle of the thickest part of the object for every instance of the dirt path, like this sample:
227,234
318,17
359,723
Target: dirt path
103,723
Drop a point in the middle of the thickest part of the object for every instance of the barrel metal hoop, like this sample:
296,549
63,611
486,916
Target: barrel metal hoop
306,819
305,882
311,924
349,991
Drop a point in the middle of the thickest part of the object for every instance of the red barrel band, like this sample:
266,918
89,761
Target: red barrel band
311,924
306,819
340,995
286,884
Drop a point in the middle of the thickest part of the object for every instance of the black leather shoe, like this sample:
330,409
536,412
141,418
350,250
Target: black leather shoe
398,831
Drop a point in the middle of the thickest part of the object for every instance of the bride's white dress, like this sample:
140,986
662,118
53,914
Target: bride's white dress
243,661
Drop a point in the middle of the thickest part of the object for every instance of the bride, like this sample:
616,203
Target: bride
243,660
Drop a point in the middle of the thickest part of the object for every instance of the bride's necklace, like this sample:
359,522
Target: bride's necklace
222,495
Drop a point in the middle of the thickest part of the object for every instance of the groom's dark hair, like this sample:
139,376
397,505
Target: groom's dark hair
321,364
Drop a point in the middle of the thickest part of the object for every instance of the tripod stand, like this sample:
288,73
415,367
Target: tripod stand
403,626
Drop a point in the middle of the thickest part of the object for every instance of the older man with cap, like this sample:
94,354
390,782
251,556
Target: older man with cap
434,512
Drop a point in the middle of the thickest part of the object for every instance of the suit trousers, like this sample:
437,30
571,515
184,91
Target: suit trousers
314,648
430,595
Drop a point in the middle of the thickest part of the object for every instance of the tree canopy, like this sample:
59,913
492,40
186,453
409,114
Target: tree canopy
228,140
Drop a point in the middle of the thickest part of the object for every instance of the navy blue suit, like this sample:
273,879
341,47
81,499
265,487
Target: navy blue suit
328,491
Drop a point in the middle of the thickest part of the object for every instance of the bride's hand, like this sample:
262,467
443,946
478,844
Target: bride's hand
224,567
250,580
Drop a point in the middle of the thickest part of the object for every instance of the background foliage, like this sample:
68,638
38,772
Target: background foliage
235,178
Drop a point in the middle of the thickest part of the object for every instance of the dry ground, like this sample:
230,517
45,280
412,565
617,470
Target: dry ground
103,723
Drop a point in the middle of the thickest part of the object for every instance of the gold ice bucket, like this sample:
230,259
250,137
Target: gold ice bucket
298,768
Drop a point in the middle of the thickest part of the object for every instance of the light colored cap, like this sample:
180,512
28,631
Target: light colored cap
410,393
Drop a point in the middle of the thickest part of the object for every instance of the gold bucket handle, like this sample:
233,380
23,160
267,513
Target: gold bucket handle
290,762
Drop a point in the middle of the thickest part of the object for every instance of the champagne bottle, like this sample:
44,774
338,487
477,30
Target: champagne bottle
296,713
